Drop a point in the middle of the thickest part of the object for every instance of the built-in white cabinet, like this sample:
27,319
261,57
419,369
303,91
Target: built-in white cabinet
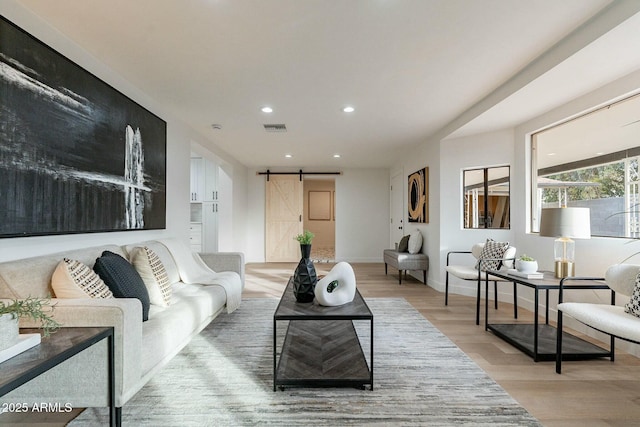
205,205
196,167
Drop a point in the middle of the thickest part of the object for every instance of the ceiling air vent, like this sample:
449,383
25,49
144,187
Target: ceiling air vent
275,128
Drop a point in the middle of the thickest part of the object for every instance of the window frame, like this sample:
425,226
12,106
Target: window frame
486,184
625,155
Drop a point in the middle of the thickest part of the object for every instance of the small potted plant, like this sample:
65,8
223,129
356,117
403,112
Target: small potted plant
305,238
305,242
37,309
526,264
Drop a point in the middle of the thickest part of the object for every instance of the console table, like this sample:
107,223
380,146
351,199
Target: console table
539,340
321,346
60,346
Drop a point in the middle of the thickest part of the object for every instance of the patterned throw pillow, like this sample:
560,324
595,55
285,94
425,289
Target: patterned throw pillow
147,263
73,279
403,246
633,306
123,280
491,255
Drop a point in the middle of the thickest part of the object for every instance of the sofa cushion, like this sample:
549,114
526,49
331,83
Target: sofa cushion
610,319
73,279
403,246
123,279
153,274
170,329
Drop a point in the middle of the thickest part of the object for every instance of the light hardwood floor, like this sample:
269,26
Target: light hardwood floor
588,393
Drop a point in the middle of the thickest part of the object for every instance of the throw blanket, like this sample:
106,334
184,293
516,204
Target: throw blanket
193,270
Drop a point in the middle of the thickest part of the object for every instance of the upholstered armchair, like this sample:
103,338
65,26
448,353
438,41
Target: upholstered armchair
617,321
475,271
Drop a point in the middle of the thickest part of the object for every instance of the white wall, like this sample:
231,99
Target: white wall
483,150
179,137
425,155
362,215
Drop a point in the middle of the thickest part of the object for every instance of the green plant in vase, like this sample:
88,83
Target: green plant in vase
305,238
37,309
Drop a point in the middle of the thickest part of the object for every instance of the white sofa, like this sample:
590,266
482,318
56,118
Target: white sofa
141,348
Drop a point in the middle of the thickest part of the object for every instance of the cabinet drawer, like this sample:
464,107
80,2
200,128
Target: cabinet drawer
195,234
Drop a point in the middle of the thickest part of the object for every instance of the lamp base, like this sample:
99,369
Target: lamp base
565,269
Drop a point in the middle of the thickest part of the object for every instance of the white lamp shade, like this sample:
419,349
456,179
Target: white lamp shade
566,222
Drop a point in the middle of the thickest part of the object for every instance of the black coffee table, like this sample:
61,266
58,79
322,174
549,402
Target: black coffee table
321,347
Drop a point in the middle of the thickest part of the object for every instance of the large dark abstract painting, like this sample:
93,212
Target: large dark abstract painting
76,155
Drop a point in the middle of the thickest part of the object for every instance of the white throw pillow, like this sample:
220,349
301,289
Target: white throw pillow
153,274
415,242
73,279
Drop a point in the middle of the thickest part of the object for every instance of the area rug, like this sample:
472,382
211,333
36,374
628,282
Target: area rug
224,377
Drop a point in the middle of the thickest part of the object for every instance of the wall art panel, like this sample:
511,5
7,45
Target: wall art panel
418,184
76,155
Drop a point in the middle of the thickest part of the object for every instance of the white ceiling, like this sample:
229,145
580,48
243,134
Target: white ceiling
409,67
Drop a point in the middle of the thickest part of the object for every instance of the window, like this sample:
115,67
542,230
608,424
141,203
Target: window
486,197
592,161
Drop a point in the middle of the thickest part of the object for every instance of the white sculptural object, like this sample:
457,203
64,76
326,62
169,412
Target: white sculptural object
327,293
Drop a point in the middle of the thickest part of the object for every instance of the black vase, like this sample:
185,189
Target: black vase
305,278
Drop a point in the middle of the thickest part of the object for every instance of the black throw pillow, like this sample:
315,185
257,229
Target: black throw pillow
403,246
123,279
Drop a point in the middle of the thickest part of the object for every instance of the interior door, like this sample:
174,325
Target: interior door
284,206
397,208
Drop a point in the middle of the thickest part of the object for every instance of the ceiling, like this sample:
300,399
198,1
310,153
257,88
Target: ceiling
408,67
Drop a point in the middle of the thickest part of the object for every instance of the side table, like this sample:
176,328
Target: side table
52,351
539,340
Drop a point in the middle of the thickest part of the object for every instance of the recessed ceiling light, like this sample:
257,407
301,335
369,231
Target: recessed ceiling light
267,110
599,153
551,154
348,109
288,156
336,156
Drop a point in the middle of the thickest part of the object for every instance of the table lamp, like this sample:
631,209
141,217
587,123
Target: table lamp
565,223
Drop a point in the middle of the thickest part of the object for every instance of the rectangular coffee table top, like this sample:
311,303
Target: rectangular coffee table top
290,309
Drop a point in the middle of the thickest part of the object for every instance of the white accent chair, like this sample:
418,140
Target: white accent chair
471,273
610,319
